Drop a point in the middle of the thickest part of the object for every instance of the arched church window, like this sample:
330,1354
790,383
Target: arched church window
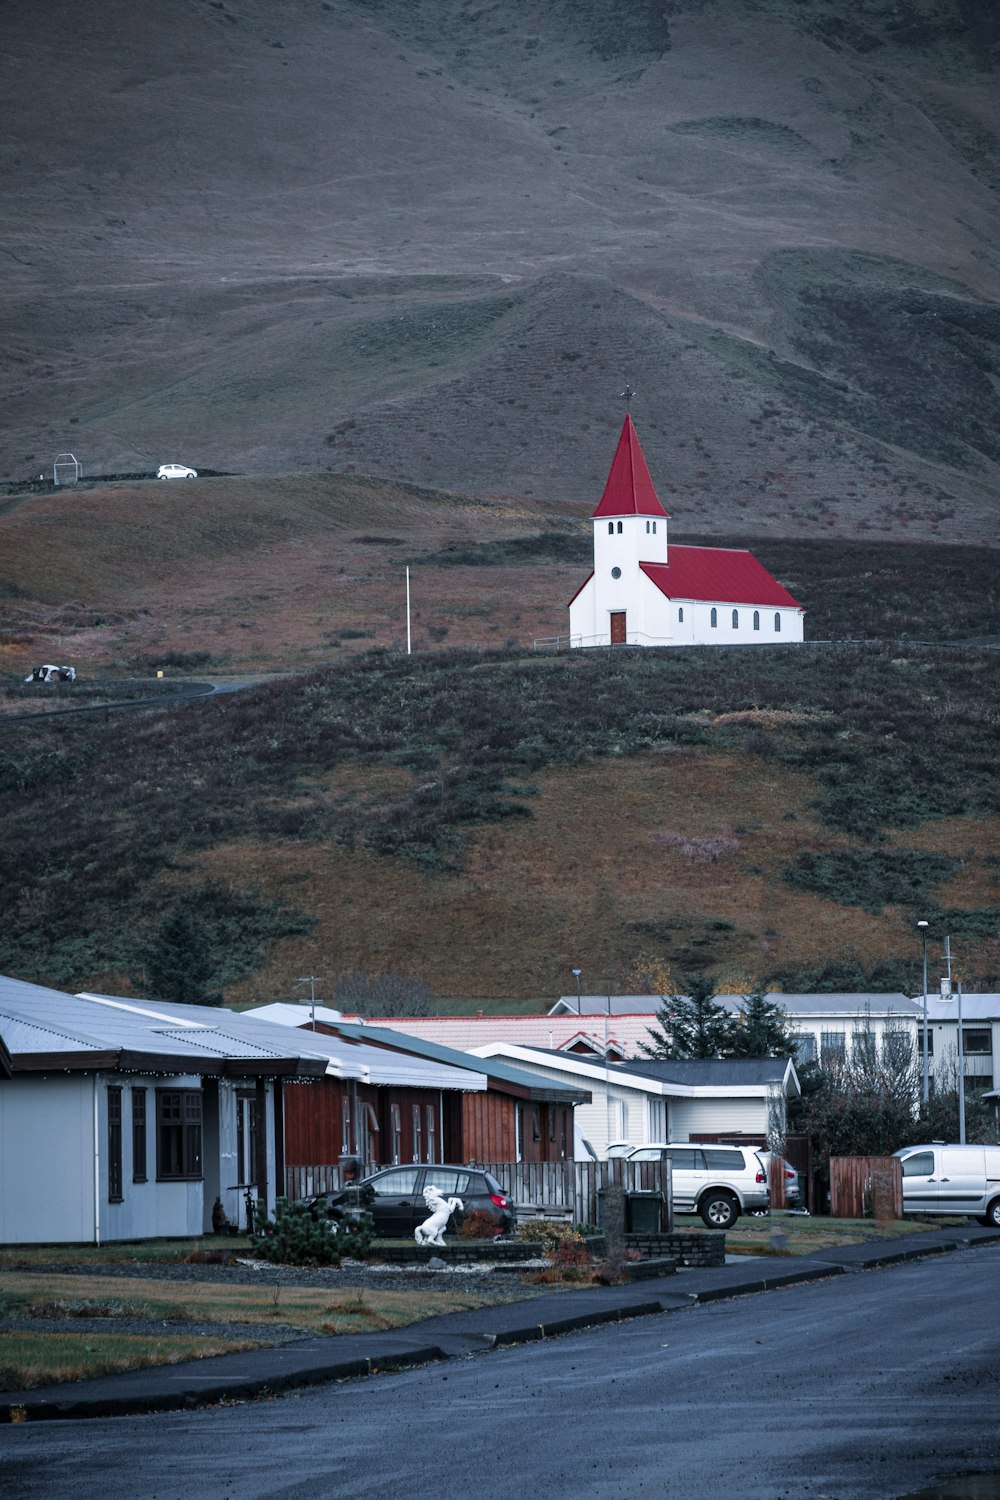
756,619
647,528
714,618
619,528
736,619
777,624
611,528
680,614
654,528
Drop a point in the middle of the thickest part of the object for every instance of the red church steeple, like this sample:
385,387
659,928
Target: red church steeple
629,490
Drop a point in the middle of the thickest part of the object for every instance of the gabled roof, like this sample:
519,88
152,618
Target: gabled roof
629,490
727,1073
720,574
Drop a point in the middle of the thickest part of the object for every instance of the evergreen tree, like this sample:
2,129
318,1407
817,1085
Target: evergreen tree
690,1025
760,1029
178,961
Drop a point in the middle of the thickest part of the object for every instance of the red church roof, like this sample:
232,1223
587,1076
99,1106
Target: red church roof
629,490
719,574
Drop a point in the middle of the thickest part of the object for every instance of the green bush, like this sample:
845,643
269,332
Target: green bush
301,1235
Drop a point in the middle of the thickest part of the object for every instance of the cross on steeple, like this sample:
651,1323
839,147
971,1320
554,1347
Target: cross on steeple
626,396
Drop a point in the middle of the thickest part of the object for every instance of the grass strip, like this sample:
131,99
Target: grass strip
32,1359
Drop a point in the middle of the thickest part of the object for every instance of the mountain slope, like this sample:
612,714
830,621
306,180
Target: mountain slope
432,240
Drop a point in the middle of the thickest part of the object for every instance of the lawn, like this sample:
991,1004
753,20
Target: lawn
792,1234
38,1356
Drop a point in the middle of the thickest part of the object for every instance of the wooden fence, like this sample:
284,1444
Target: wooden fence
564,1189
866,1187
571,1189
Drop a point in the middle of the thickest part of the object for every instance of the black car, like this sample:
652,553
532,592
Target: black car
395,1198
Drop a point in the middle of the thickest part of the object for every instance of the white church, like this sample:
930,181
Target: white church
641,594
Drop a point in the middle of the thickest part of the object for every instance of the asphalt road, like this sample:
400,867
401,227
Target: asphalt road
865,1387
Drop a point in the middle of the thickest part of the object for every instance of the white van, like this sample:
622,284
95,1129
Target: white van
943,1179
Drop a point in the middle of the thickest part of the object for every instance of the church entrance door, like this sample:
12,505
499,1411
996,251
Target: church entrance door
618,636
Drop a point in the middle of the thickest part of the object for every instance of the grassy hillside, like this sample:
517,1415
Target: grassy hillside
487,821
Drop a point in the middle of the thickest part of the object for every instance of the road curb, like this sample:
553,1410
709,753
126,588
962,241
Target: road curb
307,1366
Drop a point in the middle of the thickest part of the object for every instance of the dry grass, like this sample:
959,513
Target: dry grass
788,1234
32,1359
36,1357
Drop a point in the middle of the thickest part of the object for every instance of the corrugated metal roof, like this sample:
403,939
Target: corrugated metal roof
37,1022
372,1064
498,1072
717,574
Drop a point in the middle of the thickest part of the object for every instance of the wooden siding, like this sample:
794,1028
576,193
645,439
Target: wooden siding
487,1127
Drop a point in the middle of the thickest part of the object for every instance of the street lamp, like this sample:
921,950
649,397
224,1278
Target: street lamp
922,929
579,1003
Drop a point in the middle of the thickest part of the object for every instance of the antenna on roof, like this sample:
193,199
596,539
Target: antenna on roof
626,396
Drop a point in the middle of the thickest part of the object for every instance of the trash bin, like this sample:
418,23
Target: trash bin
643,1213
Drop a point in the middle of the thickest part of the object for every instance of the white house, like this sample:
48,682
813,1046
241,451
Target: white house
126,1119
642,593
650,1100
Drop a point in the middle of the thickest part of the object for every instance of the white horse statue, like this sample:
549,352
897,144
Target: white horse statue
431,1231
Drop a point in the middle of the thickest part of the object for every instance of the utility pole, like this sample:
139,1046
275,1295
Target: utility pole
312,980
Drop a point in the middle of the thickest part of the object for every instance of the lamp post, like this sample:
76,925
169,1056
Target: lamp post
922,929
579,1003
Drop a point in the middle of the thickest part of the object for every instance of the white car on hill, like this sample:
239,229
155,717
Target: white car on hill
176,471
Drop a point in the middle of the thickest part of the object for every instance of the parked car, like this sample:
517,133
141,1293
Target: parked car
717,1182
943,1179
176,471
793,1190
395,1198
619,1148
49,673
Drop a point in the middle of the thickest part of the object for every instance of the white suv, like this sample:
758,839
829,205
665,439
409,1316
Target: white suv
718,1182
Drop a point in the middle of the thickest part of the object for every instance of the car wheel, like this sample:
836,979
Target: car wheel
719,1210
161,476
991,1218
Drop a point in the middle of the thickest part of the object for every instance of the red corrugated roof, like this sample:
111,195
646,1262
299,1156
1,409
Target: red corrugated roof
717,573
629,490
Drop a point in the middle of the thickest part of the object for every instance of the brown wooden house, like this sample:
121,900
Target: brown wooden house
392,1098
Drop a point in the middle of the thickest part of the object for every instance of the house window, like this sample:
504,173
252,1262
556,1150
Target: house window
396,1131
431,1132
977,1040
115,1194
536,1124
417,1133
736,619
246,1138
345,1125
178,1133
680,615
832,1047
138,1135
805,1048
713,618
756,619
777,624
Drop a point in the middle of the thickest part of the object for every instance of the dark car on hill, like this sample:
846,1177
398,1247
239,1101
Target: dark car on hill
395,1198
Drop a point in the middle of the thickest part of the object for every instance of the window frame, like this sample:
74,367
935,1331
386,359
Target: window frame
179,1139
140,1138
116,1180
